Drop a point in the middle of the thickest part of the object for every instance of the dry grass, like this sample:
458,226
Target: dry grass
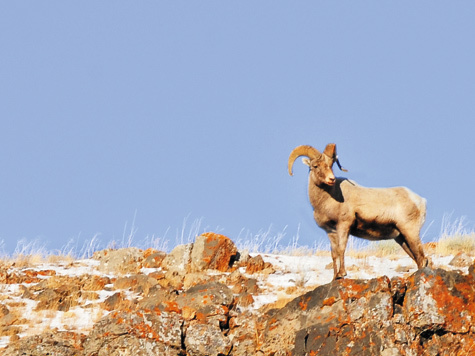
35,259
451,245
361,249
446,245
455,237
24,261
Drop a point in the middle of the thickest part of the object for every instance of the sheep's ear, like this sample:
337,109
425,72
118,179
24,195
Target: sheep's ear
330,150
306,161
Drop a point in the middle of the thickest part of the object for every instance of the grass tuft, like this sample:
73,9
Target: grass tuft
455,237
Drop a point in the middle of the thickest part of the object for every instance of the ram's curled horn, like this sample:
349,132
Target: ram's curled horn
304,150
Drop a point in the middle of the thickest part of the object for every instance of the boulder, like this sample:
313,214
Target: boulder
157,299
154,260
210,302
206,340
95,283
120,261
213,251
178,260
3,310
118,301
320,320
52,343
243,331
430,313
61,298
461,259
256,264
137,283
195,278
140,333
440,300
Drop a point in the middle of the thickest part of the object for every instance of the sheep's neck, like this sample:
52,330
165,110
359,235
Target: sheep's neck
323,192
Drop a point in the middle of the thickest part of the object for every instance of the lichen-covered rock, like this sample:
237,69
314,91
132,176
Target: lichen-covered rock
126,345
52,343
440,300
444,344
61,298
243,334
206,340
3,310
256,264
154,260
95,283
461,259
346,339
136,333
195,278
120,261
118,301
430,313
194,303
211,302
178,259
213,251
315,321
137,283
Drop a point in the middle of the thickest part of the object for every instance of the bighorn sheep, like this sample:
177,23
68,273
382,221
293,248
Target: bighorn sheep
341,207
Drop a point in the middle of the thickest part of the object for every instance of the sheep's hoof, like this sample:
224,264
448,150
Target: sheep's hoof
427,263
340,276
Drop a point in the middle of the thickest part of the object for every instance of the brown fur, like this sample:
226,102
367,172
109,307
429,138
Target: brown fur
341,207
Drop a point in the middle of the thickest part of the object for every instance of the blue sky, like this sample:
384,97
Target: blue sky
188,110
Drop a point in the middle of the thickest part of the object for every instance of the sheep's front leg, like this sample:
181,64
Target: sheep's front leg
343,231
338,243
333,237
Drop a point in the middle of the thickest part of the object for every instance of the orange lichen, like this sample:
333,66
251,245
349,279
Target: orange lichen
303,304
273,324
200,316
172,307
453,304
329,301
148,252
210,236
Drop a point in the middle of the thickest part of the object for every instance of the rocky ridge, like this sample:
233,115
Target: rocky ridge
201,299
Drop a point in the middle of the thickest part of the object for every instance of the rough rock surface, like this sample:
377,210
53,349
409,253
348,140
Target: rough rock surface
58,343
206,339
325,318
213,251
136,333
195,302
440,300
461,260
257,265
123,260
432,314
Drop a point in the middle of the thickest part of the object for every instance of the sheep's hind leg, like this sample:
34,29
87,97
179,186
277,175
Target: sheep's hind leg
413,249
401,240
